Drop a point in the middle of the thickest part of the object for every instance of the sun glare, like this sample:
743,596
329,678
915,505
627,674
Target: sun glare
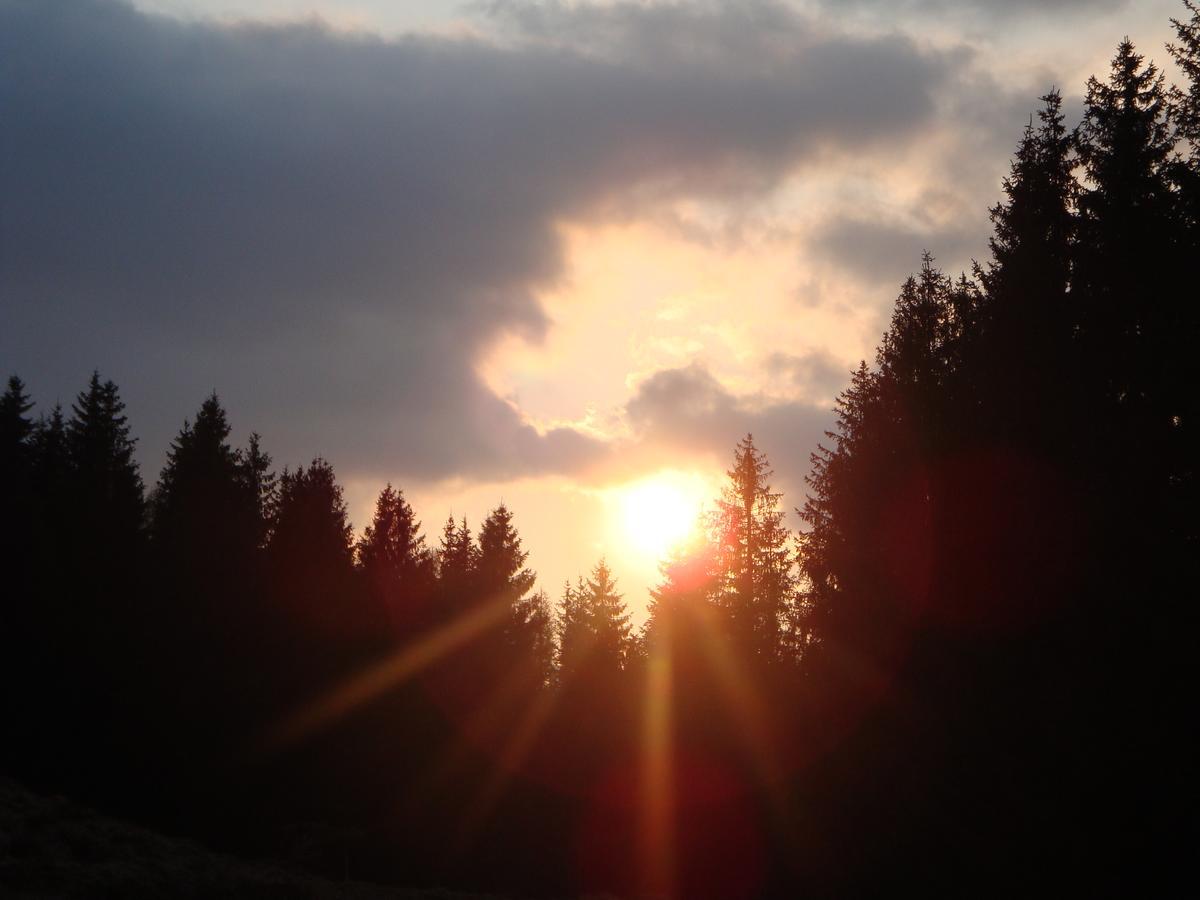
659,513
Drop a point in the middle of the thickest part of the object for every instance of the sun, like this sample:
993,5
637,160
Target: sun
659,513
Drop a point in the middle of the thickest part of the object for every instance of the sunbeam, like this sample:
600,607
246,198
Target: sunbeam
658,789
381,677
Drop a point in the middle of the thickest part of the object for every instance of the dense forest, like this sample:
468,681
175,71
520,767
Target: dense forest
967,670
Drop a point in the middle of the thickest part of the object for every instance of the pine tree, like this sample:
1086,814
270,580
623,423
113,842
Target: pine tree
311,549
16,432
18,520
500,577
530,637
1124,143
594,634
15,425
261,484
1183,406
500,570
395,561
754,553
1028,321
106,486
457,556
571,626
1185,101
206,510
690,583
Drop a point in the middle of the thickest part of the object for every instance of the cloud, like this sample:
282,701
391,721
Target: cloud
884,253
330,229
687,412
991,8
816,374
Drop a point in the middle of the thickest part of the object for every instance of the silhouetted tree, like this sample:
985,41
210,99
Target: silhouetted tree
18,524
311,552
1126,304
398,567
500,577
15,425
207,513
594,633
107,487
457,556
1030,322
753,553
1185,100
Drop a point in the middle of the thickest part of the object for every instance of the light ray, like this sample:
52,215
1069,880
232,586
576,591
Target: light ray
515,750
658,778
384,675
743,703
482,721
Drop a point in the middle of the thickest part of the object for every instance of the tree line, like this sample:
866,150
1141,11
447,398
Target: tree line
970,663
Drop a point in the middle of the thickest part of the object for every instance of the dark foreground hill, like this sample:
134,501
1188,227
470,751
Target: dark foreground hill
50,847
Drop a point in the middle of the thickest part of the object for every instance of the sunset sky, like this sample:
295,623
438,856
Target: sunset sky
560,255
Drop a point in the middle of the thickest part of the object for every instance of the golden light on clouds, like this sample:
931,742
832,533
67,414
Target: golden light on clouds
638,297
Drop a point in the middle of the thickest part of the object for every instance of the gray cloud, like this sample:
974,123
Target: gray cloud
991,8
816,373
688,411
884,254
329,228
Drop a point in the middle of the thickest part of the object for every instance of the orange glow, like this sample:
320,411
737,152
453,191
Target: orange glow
659,513
658,784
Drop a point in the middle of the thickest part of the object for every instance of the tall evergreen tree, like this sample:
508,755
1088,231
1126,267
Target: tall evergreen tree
397,565
15,425
457,556
1126,301
594,633
311,551
261,485
754,553
526,639
1185,100
18,520
206,510
690,582
107,487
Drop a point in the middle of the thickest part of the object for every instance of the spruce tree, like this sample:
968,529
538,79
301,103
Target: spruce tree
15,425
500,577
593,628
261,486
106,482
311,551
457,556
395,561
206,512
1185,100
1028,321
754,553
1126,301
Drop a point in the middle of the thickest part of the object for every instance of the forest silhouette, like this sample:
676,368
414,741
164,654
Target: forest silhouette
967,671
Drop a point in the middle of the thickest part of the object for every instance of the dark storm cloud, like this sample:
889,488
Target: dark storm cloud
688,411
328,228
